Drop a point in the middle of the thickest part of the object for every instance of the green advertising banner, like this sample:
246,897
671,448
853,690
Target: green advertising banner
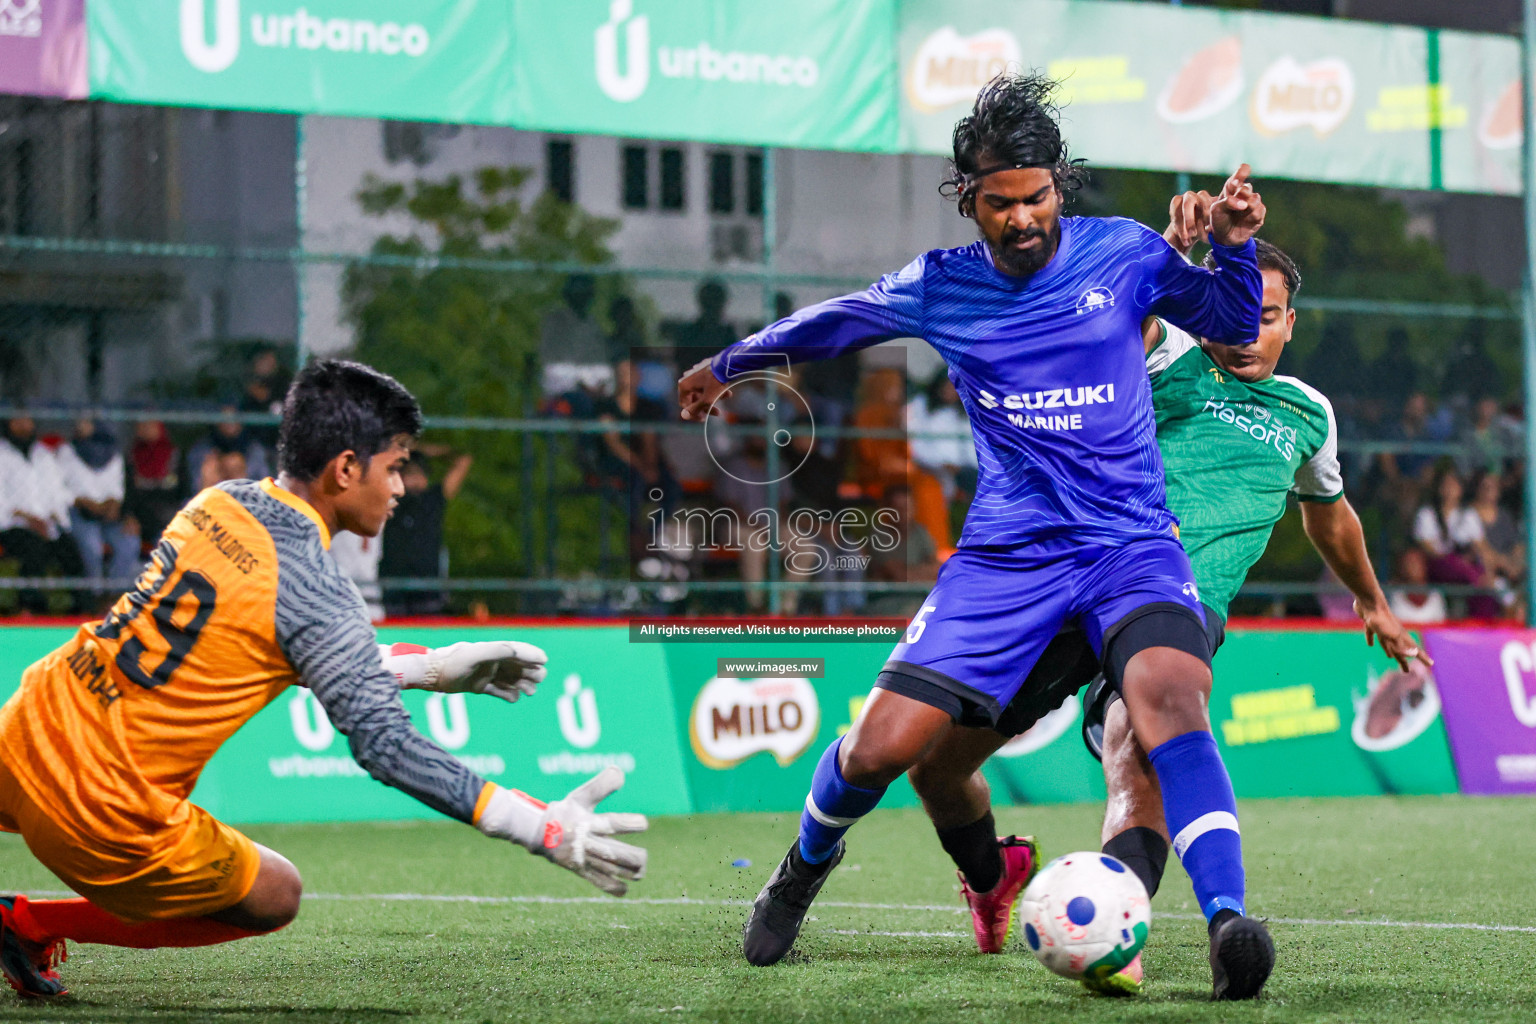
814,74
445,60
752,744
605,702
1295,714
806,73
1146,85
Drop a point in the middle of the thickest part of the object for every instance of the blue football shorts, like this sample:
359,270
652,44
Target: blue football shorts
994,614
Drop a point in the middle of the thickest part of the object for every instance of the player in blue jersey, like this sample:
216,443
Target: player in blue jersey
1040,325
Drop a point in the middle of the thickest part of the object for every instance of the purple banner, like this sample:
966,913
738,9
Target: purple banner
42,48
1488,697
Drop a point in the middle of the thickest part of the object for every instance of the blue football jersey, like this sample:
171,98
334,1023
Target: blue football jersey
1050,368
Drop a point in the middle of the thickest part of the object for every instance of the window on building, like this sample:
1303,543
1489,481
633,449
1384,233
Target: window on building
560,169
636,178
754,198
722,183
674,192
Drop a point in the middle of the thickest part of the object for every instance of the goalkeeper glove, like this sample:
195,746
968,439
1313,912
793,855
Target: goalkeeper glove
569,833
502,668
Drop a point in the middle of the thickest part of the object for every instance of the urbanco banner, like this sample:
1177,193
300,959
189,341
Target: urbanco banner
815,74
1490,706
42,48
1152,86
806,73
440,60
603,703
1295,713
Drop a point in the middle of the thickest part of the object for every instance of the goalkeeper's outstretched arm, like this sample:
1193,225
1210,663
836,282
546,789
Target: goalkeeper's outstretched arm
323,628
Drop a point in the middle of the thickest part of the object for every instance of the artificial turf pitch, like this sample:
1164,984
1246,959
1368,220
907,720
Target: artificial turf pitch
431,922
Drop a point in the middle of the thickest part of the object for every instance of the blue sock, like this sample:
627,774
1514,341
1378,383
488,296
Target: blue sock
1202,818
832,807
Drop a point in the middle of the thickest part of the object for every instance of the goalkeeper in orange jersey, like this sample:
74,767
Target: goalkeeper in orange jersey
101,746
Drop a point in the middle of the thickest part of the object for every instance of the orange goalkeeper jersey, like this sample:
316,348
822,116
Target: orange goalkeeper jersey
239,601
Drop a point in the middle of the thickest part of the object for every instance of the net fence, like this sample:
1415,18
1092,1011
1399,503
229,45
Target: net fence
163,271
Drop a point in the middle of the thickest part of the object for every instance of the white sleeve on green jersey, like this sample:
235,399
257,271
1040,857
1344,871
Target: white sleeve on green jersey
1175,343
1320,478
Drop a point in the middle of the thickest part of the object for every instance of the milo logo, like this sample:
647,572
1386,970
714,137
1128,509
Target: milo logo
949,68
733,719
300,29
1291,95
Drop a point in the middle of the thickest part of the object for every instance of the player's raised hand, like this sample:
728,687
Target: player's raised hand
571,833
1238,213
1189,219
1396,642
697,390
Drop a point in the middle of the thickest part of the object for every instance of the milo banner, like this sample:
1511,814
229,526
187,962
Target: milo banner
1147,85
1295,714
42,48
1490,705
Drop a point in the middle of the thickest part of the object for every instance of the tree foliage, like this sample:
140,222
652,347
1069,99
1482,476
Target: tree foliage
465,339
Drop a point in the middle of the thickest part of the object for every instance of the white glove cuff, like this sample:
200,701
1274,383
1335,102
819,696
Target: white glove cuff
516,816
407,663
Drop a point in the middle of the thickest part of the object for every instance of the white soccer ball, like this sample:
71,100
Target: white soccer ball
1085,915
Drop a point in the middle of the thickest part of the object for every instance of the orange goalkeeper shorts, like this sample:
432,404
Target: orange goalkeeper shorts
188,866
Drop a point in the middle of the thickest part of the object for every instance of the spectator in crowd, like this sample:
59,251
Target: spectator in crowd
914,559
572,349
631,460
1472,371
951,459
1415,425
34,512
1391,377
413,537
1491,438
220,467
743,486
95,476
207,462
359,558
1420,604
266,384
881,463
626,333
1505,546
710,332
1451,536
154,489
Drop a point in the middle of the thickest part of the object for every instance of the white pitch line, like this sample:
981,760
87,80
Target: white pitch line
900,935
689,901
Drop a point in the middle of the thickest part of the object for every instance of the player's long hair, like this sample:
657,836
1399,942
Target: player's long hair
336,406
1015,123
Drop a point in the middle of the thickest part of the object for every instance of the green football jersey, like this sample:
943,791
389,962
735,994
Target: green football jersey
1232,451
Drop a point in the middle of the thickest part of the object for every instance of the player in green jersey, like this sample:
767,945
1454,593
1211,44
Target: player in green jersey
1236,440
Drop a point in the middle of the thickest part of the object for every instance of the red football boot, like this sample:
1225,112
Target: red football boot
992,912
28,967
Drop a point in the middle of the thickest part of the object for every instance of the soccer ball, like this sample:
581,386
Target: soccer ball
1085,915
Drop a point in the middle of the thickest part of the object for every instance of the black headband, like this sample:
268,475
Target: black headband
972,179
